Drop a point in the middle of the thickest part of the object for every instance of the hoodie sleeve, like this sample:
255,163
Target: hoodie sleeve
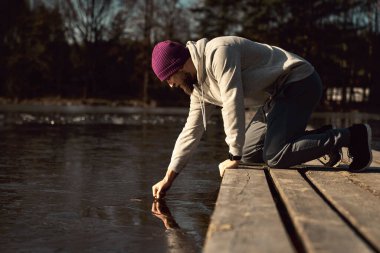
226,67
191,134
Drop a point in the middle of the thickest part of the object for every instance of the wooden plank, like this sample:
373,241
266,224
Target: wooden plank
368,180
318,226
358,204
375,158
245,218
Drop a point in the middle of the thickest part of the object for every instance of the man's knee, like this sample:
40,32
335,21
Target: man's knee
269,161
274,159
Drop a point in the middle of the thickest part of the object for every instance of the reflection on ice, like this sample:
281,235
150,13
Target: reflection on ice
74,115
84,119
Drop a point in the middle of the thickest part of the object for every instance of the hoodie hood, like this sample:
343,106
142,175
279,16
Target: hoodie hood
197,52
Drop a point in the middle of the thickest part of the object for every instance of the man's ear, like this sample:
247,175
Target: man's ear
189,67
186,65
181,70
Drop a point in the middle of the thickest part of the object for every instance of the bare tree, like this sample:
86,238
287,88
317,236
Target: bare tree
87,20
148,23
172,21
87,23
152,21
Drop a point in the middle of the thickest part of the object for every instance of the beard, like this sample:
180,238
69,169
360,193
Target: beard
187,83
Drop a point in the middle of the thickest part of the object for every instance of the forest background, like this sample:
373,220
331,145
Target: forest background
101,49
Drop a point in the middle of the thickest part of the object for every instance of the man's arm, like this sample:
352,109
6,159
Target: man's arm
226,67
159,190
186,143
190,135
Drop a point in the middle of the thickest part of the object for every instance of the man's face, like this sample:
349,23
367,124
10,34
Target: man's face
183,80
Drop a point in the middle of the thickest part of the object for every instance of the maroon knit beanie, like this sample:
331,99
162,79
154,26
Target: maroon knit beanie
167,58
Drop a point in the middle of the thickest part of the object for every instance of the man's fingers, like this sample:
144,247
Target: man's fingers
158,193
154,190
221,169
159,189
227,164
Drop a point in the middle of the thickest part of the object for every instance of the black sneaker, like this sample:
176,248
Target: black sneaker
332,159
360,147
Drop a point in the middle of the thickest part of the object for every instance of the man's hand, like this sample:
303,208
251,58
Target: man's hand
227,164
159,190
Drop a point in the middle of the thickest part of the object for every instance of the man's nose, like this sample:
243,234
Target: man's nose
171,83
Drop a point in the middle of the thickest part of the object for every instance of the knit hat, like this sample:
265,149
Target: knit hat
167,58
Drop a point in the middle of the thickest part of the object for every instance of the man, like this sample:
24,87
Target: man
225,71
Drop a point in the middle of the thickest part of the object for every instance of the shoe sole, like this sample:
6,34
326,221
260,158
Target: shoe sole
369,133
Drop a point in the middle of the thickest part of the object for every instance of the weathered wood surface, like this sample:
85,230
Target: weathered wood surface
245,218
330,209
353,199
376,158
368,179
318,226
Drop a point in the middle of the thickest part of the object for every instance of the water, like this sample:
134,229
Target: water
87,187
81,182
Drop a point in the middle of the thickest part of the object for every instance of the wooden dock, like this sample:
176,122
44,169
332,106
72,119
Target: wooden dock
307,209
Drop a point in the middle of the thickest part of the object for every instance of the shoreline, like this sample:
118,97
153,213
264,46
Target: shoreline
102,105
74,101
127,109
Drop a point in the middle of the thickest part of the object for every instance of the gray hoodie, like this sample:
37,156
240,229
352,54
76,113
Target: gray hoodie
232,73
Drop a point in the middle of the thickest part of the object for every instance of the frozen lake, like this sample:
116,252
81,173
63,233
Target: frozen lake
79,180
